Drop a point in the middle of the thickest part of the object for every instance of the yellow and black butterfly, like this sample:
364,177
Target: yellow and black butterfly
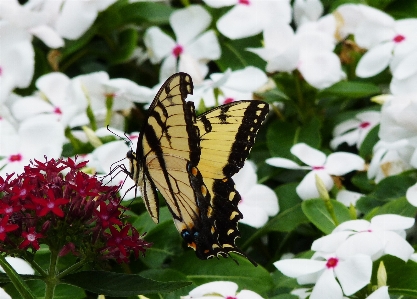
190,160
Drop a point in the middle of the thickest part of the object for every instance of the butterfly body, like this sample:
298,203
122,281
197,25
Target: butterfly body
190,160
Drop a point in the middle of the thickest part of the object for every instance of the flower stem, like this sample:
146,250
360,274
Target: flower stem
52,280
15,278
71,269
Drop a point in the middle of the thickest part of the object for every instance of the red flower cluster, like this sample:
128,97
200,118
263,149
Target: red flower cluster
56,204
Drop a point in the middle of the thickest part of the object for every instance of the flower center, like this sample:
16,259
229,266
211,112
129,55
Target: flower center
245,2
230,297
332,262
50,205
364,124
57,110
398,38
177,51
1,71
15,158
8,210
318,167
1,229
31,237
228,100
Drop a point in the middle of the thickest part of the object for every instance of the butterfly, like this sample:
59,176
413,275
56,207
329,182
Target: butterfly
191,159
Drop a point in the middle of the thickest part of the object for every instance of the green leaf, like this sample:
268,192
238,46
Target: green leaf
16,279
401,276
128,40
281,136
154,13
352,90
119,284
168,274
245,274
317,213
368,143
390,188
399,206
235,56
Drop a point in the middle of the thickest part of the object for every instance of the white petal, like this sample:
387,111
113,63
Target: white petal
246,294
248,79
405,69
331,242
354,273
348,198
412,195
405,86
76,17
321,70
223,288
351,138
220,3
345,126
239,22
299,267
55,86
307,10
189,64
327,287
283,163
381,293
308,155
396,245
29,106
158,43
341,163
392,222
364,243
353,225
49,36
252,215
4,295
307,188
246,178
109,153
375,60
189,22
264,197
42,135
20,265
169,67
206,47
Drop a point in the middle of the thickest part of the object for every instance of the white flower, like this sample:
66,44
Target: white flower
354,131
233,86
258,201
77,16
384,234
17,59
390,158
36,137
192,48
309,51
338,164
28,18
388,41
220,289
96,88
250,17
52,98
352,273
